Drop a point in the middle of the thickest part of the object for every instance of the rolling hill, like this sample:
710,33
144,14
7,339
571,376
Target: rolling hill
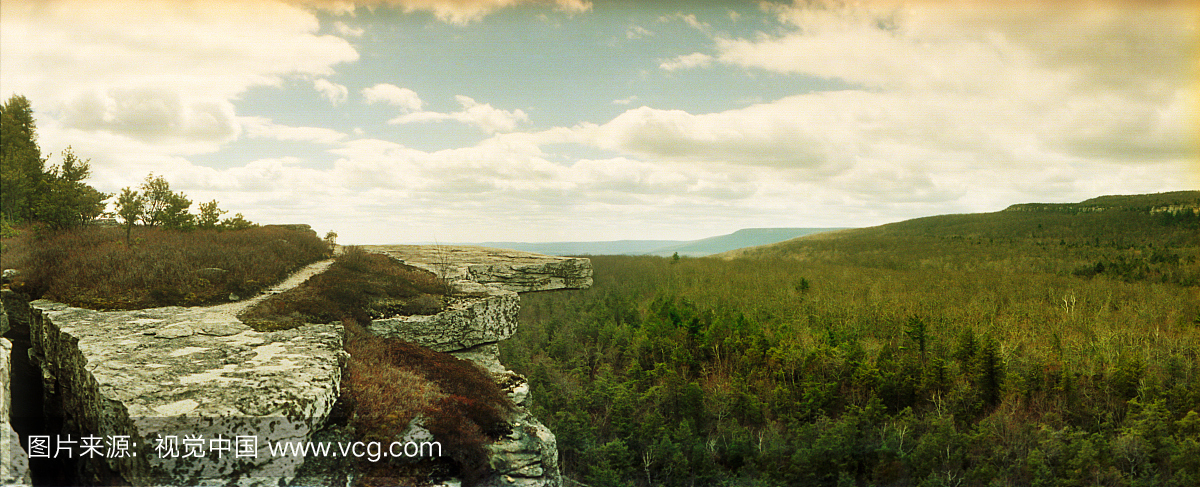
1135,237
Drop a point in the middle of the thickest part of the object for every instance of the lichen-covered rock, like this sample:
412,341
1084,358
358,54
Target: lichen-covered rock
527,457
14,463
465,323
512,270
156,376
13,309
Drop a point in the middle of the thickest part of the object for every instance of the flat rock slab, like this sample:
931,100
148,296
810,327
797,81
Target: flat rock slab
168,372
513,270
465,323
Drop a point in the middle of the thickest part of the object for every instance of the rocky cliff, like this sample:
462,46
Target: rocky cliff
173,396
471,328
14,463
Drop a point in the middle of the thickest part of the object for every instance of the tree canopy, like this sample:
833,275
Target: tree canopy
56,196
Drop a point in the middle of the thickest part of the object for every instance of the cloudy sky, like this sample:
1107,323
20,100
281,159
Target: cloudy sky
554,120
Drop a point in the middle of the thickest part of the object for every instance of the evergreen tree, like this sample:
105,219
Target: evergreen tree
21,164
28,190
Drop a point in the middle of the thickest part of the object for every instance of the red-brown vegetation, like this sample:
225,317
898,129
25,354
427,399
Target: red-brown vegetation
93,267
389,382
360,285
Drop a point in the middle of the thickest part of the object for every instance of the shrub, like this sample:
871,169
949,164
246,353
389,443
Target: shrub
360,285
389,382
93,267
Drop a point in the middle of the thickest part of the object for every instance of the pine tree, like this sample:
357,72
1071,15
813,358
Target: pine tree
21,164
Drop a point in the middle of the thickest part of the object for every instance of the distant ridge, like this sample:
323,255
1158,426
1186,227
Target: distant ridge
616,247
1174,202
1115,221
748,237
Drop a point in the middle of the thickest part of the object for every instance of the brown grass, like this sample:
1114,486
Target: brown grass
93,267
360,285
389,382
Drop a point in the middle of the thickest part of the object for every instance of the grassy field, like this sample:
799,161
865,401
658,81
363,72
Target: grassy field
961,350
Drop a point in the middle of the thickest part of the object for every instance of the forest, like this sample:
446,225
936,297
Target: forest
1016,348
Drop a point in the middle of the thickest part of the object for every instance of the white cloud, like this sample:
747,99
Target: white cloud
151,115
637,32
393,95
345,30
689,19
482,115
259,127
888,147
687,61
1032,48
625,101
943,96
335,93
164,75
460,12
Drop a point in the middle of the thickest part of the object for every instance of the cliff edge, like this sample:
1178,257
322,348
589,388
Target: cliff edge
187,396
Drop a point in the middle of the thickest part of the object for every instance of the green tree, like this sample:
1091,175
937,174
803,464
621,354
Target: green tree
210,215
331,240
130,207
66,201
237,222
164,207
21,164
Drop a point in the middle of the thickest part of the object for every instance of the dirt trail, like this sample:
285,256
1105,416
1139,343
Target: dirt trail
228,312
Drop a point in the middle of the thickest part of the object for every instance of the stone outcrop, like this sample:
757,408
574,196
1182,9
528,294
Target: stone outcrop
137,379
154,374
512,270
471,328
465,323
161,386
14,463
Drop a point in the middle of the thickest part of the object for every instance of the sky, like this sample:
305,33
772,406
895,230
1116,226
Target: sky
399,121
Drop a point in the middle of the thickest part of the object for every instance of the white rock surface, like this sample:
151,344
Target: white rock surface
465,323
512,270
173,372
14,463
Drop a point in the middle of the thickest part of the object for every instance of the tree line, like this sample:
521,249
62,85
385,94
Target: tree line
58,196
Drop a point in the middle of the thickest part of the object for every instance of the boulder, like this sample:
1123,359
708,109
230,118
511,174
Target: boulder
528,456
